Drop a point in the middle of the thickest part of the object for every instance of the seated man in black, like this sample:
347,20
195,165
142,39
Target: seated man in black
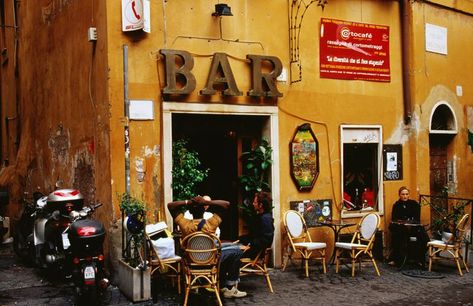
406,211
262,226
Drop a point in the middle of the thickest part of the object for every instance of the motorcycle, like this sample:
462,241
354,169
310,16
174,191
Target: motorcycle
57,232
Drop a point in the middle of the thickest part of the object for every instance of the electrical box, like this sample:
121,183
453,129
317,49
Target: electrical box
92,34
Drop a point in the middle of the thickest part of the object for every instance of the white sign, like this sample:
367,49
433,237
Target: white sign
435,39
132,15
391,164
141,110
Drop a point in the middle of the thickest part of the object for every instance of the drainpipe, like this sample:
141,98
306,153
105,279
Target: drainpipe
405,44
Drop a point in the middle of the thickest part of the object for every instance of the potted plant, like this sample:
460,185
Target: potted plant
445,219
255,178
134,274
187,171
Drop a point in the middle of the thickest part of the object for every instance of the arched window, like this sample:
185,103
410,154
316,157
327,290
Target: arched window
443,120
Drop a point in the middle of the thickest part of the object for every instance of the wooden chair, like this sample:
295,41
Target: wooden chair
167,267
301,242
361,244
451,245
258,266
201,255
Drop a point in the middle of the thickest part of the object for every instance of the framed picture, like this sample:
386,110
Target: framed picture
304,153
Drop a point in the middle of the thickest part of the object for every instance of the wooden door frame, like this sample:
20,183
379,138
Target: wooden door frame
271,132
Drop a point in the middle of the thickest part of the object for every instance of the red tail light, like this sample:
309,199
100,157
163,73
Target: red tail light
86,231
75,260
69,207
100,257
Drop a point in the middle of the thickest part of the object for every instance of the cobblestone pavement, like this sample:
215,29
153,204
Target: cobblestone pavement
21,285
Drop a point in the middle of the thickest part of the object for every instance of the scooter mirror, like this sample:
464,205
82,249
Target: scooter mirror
59,184
56,215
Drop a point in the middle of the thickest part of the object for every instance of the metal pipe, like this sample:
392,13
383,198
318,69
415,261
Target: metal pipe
127,116
406,55
127,139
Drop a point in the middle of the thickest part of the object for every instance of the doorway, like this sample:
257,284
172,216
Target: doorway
270,129
219,141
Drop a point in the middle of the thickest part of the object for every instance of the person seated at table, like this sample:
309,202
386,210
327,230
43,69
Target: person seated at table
406,210
229,257
261,227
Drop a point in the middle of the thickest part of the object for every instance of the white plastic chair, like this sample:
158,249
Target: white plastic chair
301,242
361,243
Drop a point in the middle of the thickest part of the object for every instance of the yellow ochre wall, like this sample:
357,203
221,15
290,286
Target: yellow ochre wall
71,101
261,27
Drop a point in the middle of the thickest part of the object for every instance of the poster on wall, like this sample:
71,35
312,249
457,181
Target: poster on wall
354,51
313,211
392,162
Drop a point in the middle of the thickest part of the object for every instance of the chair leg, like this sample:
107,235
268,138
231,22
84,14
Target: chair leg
306,263
353,263
337,260
458,266
217,294
457,261
286,259
186,296
465,265
268,281
430,258
179,278
375,266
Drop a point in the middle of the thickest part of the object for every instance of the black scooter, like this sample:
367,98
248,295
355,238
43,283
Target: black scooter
57,232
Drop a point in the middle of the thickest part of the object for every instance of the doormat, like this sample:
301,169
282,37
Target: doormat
422,274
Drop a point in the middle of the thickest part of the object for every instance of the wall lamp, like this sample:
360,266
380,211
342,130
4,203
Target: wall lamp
222,10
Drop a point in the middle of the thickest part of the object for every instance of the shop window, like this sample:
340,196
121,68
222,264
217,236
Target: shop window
361,171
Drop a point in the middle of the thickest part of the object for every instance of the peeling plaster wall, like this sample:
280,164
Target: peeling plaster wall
436,77
63,112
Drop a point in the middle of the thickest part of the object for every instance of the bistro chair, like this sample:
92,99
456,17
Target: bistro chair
361,244
451,244
301,242
167,266
201,255
258,266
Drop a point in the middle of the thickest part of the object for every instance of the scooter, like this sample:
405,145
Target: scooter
86,238
56,232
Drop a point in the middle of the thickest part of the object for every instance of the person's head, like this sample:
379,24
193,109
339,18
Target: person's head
262,202
403,193
207,199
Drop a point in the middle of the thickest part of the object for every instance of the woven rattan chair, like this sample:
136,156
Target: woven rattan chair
258,266
451,245
361,244
167,267
300,241
201,254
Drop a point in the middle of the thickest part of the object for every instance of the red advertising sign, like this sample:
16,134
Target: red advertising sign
354,51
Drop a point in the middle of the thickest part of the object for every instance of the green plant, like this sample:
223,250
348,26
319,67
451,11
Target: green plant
131,205
255,178
135,211
187,171
446,212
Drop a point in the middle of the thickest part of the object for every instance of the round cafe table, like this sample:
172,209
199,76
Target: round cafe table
408,241
336,226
